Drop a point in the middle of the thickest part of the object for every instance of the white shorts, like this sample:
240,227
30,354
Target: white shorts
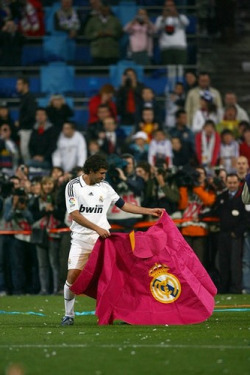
80,250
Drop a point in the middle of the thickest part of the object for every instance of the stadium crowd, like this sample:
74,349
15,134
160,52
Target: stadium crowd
189,156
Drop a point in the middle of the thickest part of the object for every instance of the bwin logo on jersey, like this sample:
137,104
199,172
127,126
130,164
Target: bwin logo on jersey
91,210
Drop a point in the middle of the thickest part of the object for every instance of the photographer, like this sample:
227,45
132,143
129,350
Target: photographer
129,186
172,37
140,31
168,195
195,198
22,255
129,97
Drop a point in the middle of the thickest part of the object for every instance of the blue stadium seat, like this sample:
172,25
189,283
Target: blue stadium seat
83,54
49,18
116,71
59,48
32,55
81,117
192,27
8,87
90,86
57,78
157,84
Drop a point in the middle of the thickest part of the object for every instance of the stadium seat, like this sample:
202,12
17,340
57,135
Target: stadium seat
90,86
32,55
81,117
49,18
116,71
59,48
57,78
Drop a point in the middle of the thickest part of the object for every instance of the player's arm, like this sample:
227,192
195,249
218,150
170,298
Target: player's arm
81,220
132,208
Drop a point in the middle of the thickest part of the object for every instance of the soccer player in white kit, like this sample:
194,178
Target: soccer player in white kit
88,199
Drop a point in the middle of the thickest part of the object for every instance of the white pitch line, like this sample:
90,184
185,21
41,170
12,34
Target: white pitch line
181,346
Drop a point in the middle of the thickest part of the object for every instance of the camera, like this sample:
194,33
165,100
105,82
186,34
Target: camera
185,176
140,20
128,82
112,175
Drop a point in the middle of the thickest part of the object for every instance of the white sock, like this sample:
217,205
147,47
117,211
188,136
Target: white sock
69,300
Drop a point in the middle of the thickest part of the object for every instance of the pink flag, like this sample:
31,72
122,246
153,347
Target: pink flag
151,277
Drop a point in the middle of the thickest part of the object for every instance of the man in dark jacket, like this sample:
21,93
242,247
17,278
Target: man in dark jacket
42,141
27,110
232,214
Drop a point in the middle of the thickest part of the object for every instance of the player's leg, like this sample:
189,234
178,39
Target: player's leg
78,257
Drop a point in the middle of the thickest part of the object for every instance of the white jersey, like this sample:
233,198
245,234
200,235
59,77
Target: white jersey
92,201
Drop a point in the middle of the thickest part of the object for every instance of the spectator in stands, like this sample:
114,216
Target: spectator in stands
114,138
182,153
71,150
242,167
207,111
139,146
172,36
193,97
23,261
160,149
148,101
181,129
245,145
229,121
230,98
130,188
104,31
196,197
207,145
243,125
27,111
148,124
95,128
232,215
95,6
11,44
58,112
190,81
47,215
129,97
66,19
42,141
9,154
105,96
168,195
5,118
93,147
144,170
174,101
32,18
140,31
229,151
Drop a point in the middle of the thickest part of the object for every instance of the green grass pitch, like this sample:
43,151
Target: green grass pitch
221,345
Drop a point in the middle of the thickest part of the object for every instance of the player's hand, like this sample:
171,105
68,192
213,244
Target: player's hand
103,233
156,211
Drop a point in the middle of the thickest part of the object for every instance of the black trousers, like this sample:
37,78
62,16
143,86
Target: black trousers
230,263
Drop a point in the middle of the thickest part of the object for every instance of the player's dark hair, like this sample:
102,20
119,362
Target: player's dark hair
94,163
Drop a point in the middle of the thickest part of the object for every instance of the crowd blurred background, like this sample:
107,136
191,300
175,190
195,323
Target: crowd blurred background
172,138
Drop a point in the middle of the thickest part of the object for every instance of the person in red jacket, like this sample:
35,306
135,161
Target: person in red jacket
207,145
32,18
105,96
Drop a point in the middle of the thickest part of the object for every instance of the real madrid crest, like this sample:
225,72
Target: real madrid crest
165,287
101,198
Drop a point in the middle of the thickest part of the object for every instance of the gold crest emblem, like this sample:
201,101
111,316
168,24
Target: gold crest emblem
165,287
101,198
